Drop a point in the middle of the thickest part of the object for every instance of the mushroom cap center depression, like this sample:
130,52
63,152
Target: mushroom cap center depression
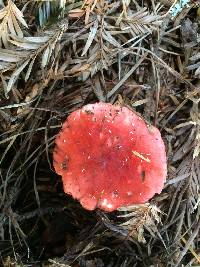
113,158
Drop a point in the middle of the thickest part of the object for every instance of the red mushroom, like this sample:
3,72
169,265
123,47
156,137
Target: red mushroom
109,157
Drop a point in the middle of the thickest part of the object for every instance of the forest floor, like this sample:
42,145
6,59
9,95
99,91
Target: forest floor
55,57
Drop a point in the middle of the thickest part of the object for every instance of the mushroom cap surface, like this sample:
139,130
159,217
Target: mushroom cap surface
109,157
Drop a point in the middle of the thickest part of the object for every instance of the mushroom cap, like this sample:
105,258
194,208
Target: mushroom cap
109,157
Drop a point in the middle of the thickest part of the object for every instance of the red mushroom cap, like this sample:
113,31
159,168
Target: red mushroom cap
108,157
